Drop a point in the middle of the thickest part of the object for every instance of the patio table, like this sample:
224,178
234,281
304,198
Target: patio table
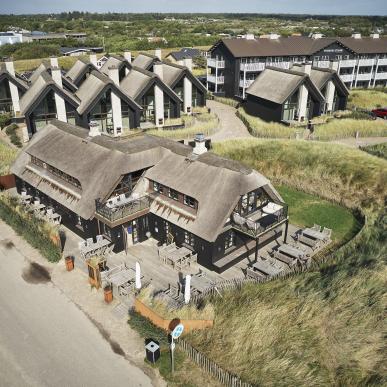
310,233
266,267
200,283
291,251
95,247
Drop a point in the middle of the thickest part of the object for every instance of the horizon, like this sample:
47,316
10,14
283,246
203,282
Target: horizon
261,7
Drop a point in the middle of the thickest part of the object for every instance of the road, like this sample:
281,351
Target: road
45,340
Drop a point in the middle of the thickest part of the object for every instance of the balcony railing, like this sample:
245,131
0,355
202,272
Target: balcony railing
245,84
211,62
255,227
281,65
252,66
348,63
346,77
382,61
364,77
118,212
214,79
381,75
321,63
366,62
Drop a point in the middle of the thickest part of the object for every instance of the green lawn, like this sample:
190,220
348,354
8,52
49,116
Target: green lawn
306,210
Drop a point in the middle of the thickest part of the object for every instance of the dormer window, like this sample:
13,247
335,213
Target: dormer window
189,201
173,194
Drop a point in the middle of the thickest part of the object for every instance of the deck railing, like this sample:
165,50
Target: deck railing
261,225
118,212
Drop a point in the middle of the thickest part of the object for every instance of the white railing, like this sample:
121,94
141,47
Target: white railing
211,62
363,77
281,65
346,77
245,83
213,79
381,75
366,62
321,63
348,63
382,61
252,66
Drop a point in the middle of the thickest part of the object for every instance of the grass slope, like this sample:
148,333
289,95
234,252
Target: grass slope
7,156
319,328
367,99
379,150
306,210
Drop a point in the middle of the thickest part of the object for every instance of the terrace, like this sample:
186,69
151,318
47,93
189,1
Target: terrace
265,218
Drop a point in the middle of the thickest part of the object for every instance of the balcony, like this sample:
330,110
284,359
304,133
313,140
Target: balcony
213,79
363,77
381,75
348,63
115,213
253,67
382,62
211,62
321,63
245,84
366,62
280,65
346,77
260,221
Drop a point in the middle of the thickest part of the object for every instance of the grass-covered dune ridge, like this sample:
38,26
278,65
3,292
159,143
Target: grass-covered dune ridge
323,327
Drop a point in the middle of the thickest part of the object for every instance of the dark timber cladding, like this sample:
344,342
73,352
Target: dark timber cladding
130,188
235,63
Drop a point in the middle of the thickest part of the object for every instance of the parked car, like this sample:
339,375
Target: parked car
381,113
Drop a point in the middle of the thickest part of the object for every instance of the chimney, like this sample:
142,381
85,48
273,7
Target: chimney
54,61
334,65
200,144
188,63
93,59
356,35
128,56
158,53
94,129
113,75
306,68
158,70
56,75
9,66
374,35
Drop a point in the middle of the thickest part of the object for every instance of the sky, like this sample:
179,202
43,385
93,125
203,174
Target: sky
331,7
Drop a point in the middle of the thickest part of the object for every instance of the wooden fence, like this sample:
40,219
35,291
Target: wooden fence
225,377
167,323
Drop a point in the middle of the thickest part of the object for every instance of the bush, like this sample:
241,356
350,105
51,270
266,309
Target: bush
7,156
12,134
5,119
32,229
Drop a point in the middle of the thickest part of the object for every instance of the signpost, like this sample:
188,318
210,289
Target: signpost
176,333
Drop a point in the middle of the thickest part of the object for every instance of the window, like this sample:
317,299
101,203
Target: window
230,240
189,201
157,187
188,238
173,194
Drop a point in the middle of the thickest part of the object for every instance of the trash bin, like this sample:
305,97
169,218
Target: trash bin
152,349
108,294
69,263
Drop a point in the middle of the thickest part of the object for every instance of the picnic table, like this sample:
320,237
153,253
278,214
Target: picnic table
313,234
293,252
199,283
266,268
175,256
95,248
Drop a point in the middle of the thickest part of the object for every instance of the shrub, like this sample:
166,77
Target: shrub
7,156
32,229
5,119
11,132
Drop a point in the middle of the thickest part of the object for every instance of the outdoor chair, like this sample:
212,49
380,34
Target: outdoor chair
49,211
99,238
327,232
89,241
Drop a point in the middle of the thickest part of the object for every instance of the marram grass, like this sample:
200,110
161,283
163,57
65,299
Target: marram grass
7,157
318,328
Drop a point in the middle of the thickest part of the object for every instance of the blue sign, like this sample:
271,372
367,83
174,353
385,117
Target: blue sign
176,333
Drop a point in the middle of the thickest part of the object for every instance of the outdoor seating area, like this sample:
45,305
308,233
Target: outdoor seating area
199,283
177,257
89,248
315,237
39,209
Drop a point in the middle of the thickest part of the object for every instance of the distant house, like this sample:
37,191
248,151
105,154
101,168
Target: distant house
186,52
298,94
10,37
76,51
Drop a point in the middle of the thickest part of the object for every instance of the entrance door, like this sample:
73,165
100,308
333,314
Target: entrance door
131,234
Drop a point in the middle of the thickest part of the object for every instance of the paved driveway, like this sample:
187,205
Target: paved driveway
45,340
231,126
